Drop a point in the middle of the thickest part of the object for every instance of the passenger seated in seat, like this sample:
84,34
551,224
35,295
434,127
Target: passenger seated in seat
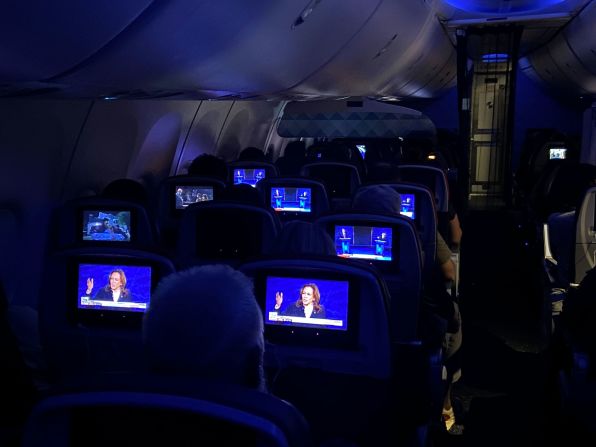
205,321
437,305
300,237
207,165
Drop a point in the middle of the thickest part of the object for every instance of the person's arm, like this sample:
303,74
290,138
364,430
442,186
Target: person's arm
89,286
455,231
279,298
444,259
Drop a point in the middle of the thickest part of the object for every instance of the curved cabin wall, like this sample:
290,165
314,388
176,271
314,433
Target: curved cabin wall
55,150
568,62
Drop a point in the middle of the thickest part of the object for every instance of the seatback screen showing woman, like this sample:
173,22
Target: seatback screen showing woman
110,287
291,199
364,242
307,302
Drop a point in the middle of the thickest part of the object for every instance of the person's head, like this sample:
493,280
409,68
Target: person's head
252,154
300,237
205,321
107,223
179,191
207,165
377,198
127,189
117,280
309,294
383,235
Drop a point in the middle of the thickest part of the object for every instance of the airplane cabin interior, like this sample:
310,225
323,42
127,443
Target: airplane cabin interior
419,175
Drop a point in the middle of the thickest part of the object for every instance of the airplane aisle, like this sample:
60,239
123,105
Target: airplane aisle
507,393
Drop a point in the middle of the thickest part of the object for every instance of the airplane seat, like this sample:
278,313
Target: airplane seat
417,203
561,188
585,236
334,368
560,235
294,156
296,198
97,220
250,172
338,151
432,177
174,195
340,180
84,325
151,409
19,391
225,232
577,375
401,268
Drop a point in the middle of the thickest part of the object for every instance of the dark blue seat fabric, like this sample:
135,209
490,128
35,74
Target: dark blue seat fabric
73,344
431,177
425,219
225,232
252,171
340,180
149,409
404,279
130,224
169,212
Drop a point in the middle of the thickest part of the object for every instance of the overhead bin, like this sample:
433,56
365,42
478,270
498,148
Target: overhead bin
356,118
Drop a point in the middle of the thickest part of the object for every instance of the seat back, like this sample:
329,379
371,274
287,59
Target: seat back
171,205
425,218
291,196
403,275
83,332
225,232
250,172
147,409
431,177
585,236
82,222
340,180
346,385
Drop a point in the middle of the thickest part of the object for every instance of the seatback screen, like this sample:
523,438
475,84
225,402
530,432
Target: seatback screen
106,225
291,199
306,302
111,287
557,153
188,194
408,205
364,242
249,176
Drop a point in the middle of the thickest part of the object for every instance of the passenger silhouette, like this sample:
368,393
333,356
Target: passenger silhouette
205,321
207,165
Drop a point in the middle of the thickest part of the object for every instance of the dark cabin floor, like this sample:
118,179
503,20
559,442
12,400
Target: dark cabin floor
508,394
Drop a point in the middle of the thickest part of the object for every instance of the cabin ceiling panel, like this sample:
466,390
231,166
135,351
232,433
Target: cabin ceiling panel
385,49
229,45
568,63
432,66
581,37
40,39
